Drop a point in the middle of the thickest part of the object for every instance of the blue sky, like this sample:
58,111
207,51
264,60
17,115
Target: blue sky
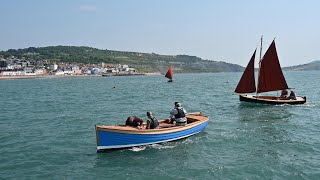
225,30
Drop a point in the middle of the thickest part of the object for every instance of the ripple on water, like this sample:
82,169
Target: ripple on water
47,130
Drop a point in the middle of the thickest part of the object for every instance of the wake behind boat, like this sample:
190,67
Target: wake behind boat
270,78
122,136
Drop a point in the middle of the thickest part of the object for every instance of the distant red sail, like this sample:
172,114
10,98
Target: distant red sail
169,74
247,82
271,77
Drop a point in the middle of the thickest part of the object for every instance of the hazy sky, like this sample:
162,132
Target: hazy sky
225,30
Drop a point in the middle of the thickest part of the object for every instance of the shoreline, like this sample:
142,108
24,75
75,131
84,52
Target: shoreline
153,74
59,76
45,76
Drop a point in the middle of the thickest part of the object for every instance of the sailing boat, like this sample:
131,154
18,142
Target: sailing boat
169,74
270,78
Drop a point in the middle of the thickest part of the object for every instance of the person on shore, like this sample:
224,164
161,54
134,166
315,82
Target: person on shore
152,121
178,115
292,95
134,121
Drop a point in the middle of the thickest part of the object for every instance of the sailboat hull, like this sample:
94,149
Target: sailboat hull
271,99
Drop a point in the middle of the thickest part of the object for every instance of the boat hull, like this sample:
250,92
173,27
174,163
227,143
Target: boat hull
271,99
111,137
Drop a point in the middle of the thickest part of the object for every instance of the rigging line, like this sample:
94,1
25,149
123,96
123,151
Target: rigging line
259,66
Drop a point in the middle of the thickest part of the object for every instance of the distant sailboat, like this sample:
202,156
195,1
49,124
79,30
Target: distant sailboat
169,74
270,78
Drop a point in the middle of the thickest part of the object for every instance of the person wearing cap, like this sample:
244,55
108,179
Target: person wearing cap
152,121
178,115
134,121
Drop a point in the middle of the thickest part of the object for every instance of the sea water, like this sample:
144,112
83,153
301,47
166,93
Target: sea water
47,129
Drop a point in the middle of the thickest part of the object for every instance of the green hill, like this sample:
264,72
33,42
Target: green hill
146,62
315,65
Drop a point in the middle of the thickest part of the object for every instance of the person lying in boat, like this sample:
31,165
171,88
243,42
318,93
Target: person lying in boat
284,93
134,121
292,95
178,115
152,121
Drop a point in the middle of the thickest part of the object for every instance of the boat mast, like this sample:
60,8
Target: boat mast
259,66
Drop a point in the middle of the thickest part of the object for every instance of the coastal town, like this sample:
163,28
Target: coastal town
21,67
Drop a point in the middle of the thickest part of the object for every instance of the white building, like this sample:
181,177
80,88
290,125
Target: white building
59,73
29,74
39,71
11,66
54,66
68,72
12,73
73,68
131,70
95,71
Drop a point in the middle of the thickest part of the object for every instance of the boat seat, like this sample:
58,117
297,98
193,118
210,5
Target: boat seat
165,125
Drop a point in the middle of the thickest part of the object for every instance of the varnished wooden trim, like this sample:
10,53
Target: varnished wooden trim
132,130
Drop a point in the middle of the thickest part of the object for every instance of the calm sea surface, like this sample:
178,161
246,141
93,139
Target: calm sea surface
47,129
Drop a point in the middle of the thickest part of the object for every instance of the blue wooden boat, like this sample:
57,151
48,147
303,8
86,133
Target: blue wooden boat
122,136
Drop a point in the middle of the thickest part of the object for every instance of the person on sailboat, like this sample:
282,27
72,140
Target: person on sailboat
284,93
178,115
152,121
292,95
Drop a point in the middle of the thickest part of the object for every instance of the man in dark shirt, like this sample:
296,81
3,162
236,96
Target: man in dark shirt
134,121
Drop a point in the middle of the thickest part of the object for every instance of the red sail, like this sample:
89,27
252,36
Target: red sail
247,82
169,73
271,77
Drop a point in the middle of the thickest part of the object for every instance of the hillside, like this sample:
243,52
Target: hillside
315,65
146,62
